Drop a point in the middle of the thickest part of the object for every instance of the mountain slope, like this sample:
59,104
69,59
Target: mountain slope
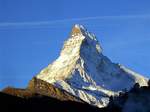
41,96
82,70
41,103
37,86
44,88
135,100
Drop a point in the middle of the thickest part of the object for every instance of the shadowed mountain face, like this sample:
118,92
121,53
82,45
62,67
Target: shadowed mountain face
41,96
40,103
135,100
27,100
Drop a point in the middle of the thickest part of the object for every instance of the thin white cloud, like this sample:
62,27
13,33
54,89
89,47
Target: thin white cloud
39,23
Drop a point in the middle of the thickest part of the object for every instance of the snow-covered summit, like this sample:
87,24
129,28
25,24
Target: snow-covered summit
81,30
85,72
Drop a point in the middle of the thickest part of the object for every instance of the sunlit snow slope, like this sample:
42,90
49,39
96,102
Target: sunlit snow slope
85,72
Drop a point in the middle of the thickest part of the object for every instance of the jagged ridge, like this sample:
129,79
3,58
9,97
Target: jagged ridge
82,70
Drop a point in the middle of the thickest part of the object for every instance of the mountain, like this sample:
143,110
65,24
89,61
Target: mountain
135,100
47,89
41,103
83,71
33,99
37,86
41,96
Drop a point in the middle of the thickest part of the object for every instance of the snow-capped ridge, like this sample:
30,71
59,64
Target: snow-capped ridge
81,30
79,33
82,70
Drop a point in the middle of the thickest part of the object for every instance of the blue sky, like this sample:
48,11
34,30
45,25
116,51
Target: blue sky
32,33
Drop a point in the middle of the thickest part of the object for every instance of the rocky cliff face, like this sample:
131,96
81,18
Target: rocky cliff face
41,87
37,86
83,71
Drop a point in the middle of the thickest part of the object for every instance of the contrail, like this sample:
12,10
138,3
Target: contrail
53,22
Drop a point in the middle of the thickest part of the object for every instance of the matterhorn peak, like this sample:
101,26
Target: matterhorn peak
82,70
80,30
82,39
77,30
